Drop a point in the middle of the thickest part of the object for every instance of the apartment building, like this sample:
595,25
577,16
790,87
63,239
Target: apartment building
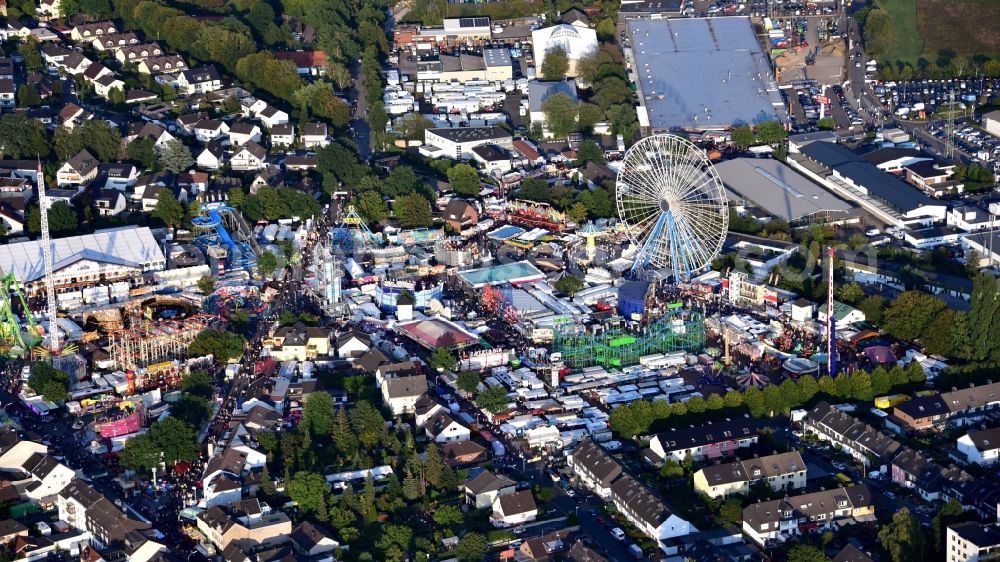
779,520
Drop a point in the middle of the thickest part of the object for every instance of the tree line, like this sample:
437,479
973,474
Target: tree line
636,418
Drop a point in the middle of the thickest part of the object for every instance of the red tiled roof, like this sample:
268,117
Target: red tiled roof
303,59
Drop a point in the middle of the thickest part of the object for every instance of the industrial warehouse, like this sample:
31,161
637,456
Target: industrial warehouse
701,74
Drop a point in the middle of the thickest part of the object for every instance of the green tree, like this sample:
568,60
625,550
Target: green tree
442,359
983,319
309,490
731,511
168,209
142,151
464,180
175,156
371,206
472,547
448,516
62,219
206,285
101,138
588,151
555,64
910,313
413,211
577,212
915,372
949,513
317,415
671,470
28,49
468,381
806,553
198,383
494,399
116,96
141,453
877,31
742,136
223,346
267,440
903,538
394,541
939,335
770,132
851,293
50,383
27,96
874,308
412,126
560,114
568,285
176,440
192,410
267,263
23,138
733,399
342,435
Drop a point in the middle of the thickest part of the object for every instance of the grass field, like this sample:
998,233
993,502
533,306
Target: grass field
924,28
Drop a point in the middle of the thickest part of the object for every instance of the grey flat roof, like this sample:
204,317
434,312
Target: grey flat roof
703,73
497,57
539,91
776,188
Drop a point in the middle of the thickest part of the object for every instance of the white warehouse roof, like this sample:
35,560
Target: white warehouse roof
123,246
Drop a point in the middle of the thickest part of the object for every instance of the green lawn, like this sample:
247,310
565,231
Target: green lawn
907,43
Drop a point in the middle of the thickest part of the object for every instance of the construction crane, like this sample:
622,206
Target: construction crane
50,289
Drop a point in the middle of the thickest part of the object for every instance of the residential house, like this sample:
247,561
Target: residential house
460,215
283,135
400,394
104,85
980,447
313,541
85,509
193,182
272,116
211,156
6,67
860,440
95,71
299,343
972,541
707,442
13,220
844,313
781,472
269,176
109,202
229,472
199,80
544,548
442,428
594,468
851,553
579,552
426,406
311,63
457,142
539,92
8,94
242,132
300,163
188,121
223,528
933,177
250,156
210,129
514,509
114,41
164,64
969,405
493,160
78,170
530,156
48,477
462,453
646,510
136,53
86,31
314,135
778,520
146,130
483,489
353,344
77,64
10,530
922,412
71,115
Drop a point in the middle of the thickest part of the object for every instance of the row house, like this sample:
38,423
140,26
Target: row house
87,31
958,407
776,521
594,468
782,471
136,53
911,469
646,510
708,442
114,41
862,441
162,64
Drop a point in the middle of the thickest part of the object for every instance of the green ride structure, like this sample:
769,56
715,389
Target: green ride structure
16,338
616,343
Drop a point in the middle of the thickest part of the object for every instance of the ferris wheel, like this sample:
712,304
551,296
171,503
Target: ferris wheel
673,204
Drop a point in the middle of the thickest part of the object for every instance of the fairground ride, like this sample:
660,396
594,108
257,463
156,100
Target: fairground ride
18,339
617,343
352,233
217,225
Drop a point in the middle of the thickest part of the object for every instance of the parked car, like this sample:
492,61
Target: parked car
618,533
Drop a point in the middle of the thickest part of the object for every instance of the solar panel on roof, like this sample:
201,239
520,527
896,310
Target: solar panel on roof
474,22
